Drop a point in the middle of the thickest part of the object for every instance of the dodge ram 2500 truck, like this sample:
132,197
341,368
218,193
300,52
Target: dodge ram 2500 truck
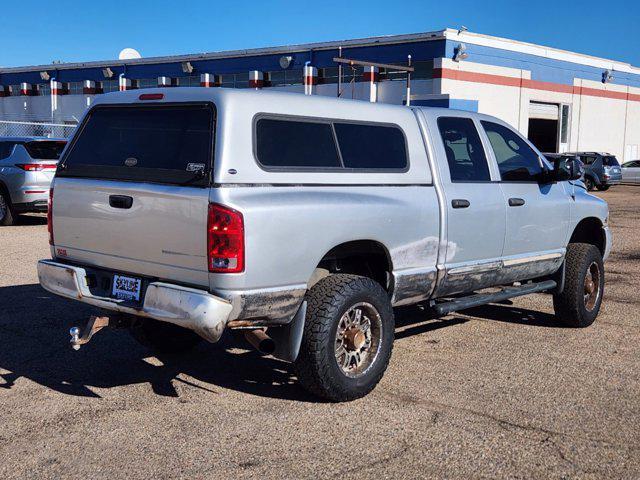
304,220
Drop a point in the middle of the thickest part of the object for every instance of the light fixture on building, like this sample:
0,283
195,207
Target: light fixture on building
285,61
462,29
187,67
45,76
107,72
607,76
460,52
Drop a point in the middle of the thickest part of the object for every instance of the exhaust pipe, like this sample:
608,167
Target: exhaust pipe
260,341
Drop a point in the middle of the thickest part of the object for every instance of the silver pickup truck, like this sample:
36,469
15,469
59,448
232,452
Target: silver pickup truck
302,221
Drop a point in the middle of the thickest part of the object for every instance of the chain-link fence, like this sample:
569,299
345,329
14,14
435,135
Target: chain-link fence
9,128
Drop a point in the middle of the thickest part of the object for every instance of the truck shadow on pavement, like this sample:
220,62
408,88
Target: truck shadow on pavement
32,219
34,344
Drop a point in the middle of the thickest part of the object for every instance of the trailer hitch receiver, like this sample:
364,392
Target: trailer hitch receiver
94,325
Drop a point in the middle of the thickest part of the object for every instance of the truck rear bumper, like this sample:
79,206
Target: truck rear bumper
197,310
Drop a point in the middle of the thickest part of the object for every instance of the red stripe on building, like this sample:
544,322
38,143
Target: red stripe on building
502,80
476,77
594,92
547,86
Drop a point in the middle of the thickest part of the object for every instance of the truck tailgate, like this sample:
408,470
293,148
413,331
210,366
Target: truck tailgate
131,193
162,234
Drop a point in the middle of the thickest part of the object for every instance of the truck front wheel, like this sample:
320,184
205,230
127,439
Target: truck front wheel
579,303
348,337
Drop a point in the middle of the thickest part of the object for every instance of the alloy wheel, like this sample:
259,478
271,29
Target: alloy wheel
358,338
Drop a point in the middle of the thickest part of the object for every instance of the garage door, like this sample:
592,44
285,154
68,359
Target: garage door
543,111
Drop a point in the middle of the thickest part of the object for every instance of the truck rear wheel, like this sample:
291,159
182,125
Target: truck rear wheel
7,217
163,337
348,337
579,303
603,188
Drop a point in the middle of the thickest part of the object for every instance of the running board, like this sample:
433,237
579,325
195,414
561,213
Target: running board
463,303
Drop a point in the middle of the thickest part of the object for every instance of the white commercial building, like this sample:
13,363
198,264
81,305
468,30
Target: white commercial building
562,101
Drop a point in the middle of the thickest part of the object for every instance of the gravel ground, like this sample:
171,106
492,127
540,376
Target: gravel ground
497,391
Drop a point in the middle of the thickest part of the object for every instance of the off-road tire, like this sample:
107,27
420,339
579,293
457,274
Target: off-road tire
569,305
316,366
9,217
603,188
163,337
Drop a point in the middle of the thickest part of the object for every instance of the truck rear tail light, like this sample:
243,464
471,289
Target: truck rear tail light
225,240
36,167
50,216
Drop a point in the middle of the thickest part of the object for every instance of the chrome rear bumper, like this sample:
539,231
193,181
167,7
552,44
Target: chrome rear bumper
190,308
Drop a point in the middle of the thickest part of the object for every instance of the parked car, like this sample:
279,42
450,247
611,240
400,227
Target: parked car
27,166
631,172
303,221
602,170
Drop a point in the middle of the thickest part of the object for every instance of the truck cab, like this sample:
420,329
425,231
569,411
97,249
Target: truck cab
302,221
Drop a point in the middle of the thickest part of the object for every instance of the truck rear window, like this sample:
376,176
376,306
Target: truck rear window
155,143
45,149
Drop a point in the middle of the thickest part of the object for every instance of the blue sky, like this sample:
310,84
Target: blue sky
39,32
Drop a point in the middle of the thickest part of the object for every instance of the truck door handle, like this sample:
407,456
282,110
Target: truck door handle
516,202
460,203
120,201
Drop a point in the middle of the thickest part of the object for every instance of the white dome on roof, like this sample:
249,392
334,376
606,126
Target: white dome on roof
129,54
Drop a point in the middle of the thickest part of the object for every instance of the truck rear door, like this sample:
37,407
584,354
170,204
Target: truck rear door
475,210
131,194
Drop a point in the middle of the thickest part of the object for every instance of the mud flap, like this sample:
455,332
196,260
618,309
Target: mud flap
559,279
289,337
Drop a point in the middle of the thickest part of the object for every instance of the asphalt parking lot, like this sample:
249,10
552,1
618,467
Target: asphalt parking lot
497,391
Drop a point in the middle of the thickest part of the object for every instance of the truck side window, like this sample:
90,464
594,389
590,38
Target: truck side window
371,146
287,143
465,155
517,161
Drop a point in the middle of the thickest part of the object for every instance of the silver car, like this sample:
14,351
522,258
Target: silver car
27,166
631,172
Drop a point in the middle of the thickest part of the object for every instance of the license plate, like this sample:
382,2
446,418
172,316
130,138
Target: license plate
126,288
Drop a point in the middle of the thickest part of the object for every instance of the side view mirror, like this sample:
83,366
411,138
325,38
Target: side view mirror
568,168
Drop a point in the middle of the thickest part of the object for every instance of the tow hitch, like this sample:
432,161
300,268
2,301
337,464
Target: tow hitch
93,326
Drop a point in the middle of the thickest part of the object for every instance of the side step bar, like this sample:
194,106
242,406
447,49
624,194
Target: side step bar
463,303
